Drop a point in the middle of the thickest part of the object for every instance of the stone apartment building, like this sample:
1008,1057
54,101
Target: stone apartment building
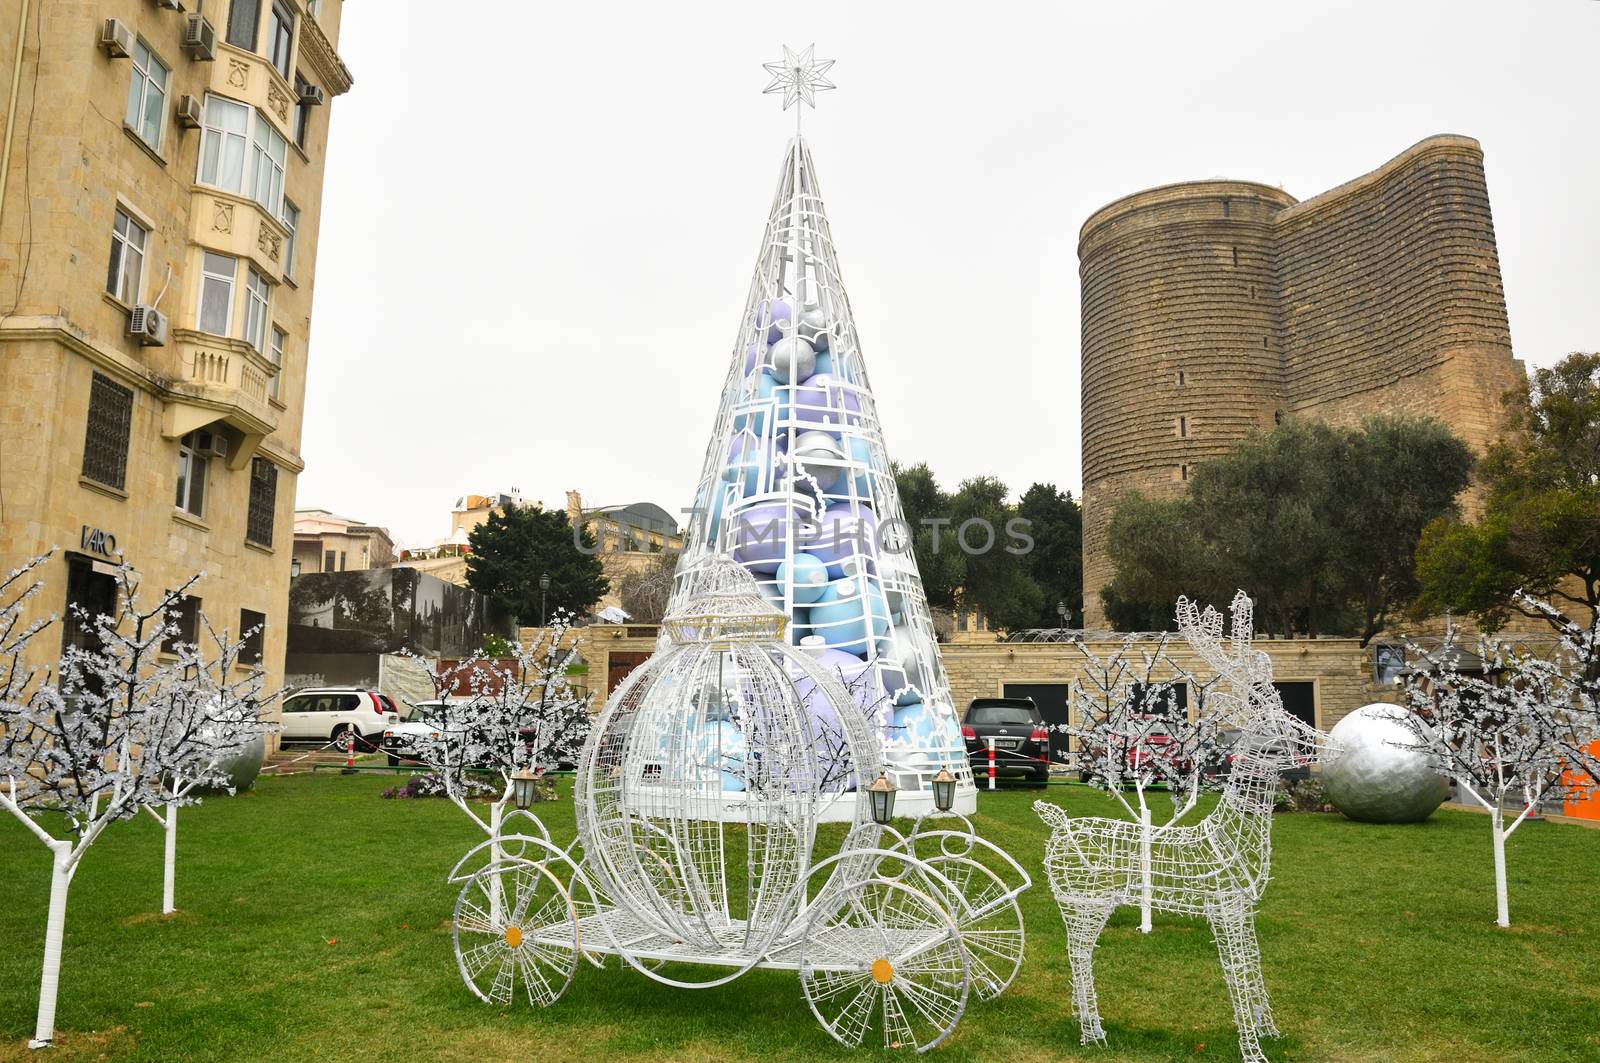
327,542
1211,309
160,202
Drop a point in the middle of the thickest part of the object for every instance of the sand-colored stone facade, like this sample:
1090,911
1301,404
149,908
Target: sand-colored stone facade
1339,670
1212,309
77,169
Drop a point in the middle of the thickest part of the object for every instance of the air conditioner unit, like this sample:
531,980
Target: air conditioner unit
200,39
212,444
170,5
148,325
191,115
116,38
313,95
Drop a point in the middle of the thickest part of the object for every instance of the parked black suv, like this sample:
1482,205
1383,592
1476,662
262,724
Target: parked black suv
1021,742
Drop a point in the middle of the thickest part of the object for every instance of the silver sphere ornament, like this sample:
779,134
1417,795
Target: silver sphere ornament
793,359
1370,775
813,326
243,767
812,449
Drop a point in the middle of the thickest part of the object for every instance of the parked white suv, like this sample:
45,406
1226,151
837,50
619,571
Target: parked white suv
325,713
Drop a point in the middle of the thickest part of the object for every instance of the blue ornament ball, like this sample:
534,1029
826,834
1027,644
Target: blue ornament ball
810,578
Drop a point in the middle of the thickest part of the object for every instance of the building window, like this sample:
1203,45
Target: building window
243,18
268,154
263,501
291,221
1183,428
217,275
228,131
222,143
275,353
1183,472
314,8
194,459
1263,343
257,301
126,267
1181,378
280,36
302,110
147,95
328,558
183,614
105,439
1236,256
90,594
253,630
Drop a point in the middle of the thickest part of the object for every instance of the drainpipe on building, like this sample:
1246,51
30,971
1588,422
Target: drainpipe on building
11,108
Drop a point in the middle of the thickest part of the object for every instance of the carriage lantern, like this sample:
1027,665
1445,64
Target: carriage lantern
523,785
882,792
944,790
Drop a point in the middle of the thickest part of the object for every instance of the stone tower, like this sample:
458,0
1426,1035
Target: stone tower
1214,308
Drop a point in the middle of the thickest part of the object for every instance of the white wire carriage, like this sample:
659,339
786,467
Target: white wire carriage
698,796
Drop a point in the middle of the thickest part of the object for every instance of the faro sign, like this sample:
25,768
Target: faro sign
98,541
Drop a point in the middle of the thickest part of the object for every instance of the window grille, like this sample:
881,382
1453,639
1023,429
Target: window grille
105,443
263,501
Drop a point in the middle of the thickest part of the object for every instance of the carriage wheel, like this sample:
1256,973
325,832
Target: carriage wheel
515,922
881,955
990,922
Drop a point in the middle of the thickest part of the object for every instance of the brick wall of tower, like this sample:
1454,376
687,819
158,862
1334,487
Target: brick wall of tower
1380,296
1392,299
1180,343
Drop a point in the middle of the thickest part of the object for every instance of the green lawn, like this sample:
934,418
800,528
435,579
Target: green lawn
314,924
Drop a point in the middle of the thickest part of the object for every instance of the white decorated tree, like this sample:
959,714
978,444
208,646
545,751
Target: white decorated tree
1133,735
1509,726
501,716
211,716
102,738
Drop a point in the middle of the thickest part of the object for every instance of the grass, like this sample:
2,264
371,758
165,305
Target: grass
314,924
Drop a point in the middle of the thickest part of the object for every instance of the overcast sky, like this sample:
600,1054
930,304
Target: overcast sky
540,219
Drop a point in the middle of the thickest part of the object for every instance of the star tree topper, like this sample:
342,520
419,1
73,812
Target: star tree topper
799,76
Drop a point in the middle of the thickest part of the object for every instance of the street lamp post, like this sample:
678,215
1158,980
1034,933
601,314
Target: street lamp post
544,588
1061,611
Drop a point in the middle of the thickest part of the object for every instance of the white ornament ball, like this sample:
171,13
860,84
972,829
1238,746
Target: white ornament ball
1369,774
793,360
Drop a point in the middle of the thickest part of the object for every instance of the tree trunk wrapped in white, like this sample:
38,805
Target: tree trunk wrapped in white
122,727
213,717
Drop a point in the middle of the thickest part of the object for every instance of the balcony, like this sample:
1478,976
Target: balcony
211,379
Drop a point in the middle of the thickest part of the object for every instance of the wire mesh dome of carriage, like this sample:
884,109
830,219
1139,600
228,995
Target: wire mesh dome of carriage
702,781
797,486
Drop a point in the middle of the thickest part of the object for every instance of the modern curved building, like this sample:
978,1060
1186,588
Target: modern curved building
1214,308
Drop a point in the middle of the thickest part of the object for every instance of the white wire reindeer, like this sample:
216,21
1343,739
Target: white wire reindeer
1218,867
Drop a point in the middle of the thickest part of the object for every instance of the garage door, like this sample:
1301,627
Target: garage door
1300,699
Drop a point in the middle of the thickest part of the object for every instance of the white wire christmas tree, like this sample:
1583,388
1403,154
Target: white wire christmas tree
798,488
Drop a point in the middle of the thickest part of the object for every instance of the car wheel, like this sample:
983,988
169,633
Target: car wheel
338,735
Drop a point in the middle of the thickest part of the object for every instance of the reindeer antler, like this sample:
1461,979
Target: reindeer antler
1248,670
